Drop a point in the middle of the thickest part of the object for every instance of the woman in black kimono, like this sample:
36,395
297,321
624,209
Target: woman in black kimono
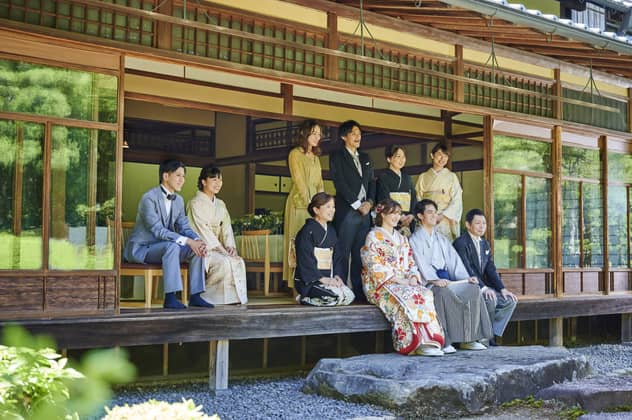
319,272
393,183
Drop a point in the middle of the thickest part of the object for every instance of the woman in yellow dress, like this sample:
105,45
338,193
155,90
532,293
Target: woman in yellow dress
307,180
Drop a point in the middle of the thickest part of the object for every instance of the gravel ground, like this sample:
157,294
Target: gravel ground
283,399
261,399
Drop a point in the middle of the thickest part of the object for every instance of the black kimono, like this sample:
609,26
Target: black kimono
313,240
389,182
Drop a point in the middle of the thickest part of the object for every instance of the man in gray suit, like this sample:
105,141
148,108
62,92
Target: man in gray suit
477,257
162,236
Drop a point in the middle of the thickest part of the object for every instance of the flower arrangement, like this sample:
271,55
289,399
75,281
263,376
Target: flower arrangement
262,219
159,410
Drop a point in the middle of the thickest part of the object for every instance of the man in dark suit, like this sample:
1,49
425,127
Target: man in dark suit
162,236
352,173
475,252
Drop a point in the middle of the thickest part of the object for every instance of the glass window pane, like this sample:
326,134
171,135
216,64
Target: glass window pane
538,217
59,92
521,154
82,198
21,151
593,230
617,226
581,163
570,224
507,211
619,167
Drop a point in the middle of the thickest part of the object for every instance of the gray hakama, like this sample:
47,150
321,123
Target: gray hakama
460,307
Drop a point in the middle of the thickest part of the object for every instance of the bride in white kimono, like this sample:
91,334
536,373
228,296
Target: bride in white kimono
208,216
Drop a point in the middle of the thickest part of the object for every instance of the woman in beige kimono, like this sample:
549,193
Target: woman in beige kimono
225,270
307,180
441,185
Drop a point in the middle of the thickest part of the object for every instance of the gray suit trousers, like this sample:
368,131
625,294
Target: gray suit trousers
499,312
170,255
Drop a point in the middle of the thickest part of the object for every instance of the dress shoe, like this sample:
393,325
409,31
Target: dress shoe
472,345
492,342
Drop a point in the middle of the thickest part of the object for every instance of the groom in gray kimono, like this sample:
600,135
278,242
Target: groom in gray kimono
162,236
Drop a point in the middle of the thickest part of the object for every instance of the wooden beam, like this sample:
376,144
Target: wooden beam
164,29
628,115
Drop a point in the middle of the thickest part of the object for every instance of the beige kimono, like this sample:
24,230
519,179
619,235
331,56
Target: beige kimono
444,189
225,275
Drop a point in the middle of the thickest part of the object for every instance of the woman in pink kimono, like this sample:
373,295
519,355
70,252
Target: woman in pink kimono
393,283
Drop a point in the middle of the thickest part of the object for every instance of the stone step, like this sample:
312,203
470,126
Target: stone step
597,393
467,382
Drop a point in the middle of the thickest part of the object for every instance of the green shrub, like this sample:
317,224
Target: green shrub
36,383
158,410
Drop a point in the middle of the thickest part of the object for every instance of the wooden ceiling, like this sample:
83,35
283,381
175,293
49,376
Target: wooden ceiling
476,25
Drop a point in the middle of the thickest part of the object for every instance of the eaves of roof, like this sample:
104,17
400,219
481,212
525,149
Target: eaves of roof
550,24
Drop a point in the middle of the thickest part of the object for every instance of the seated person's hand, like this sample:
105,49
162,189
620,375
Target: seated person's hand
328,281
339,281
472,280
232,251
490,294
364,208
197,246
508,295
439,282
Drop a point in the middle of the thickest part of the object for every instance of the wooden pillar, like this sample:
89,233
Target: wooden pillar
556,332
446,116
163,29
251,172
629,113
218,365
557,91
459,70
287,91
603,148
18,184
626,328
118,184
379,341
331,66
165,359
488,176
556,211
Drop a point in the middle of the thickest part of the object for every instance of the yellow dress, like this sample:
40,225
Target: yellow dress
443,188
307,180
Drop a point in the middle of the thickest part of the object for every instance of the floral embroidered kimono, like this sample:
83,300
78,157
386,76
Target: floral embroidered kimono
225,275
444,189
409,309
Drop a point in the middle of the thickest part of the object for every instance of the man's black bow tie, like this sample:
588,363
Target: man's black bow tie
169,196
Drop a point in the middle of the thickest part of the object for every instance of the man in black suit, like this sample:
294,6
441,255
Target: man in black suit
352,173
477,257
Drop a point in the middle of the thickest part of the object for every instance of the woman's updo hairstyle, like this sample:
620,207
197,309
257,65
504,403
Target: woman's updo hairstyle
318,200
208,172
384,207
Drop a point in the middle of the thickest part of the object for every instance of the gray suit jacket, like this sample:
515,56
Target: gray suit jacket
153,225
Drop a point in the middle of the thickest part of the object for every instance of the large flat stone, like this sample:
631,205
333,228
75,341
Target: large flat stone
467,382
593,394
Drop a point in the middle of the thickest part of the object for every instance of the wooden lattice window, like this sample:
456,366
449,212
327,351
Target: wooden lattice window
508,99
413,79
236,49
90,20
613,118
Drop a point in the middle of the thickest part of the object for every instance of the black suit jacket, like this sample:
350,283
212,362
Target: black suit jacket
486,270
348,182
